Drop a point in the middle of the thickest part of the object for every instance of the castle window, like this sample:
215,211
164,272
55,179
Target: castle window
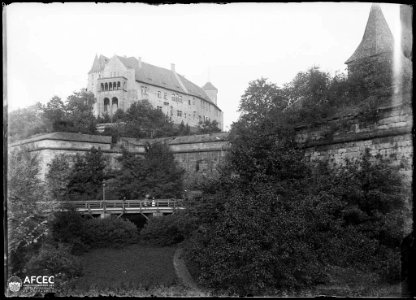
110,86
106,86
106,104
144,90
118,85
102,86
179,113
114,103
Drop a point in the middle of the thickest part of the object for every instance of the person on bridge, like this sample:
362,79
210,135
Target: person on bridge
146,199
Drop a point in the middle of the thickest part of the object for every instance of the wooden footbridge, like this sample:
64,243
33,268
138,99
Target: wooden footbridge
106,208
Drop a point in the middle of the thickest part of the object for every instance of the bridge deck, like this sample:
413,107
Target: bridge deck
125,206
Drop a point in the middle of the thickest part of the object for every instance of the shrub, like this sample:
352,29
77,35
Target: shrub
67,226
109,232
166,230
56,261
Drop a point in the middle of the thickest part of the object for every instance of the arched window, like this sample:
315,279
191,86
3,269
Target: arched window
102,86
118,85
106,104
110,86
114,103
106,86
114,85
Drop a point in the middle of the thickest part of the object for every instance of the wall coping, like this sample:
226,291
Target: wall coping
65,136
351,116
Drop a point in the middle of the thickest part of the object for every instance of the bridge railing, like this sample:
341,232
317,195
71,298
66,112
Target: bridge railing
123,204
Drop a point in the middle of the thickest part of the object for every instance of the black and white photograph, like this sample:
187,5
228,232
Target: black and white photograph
208,150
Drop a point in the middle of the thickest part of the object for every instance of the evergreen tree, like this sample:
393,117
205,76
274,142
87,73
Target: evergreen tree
57,178
87,175
156,174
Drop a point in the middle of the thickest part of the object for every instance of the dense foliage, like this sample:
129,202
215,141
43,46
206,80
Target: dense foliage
55,260
82,234
167,230
156,174
73,115
273,221
27,201
87,175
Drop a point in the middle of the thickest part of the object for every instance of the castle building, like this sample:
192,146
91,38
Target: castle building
118,82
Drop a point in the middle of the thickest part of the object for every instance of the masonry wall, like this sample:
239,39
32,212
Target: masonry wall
336,140
347,137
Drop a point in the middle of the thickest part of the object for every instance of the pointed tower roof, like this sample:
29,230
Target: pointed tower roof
209,86
377,37
98,64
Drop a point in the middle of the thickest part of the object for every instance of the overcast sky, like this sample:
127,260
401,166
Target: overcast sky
51,47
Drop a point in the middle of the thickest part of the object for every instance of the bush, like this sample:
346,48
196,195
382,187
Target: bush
166,230
257,245
67,226
55,261
109,232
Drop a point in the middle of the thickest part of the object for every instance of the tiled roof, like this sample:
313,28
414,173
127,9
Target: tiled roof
209,86
162,77
377,37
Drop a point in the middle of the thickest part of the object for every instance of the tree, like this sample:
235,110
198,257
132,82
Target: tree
87,175
144,121
208,127
260,97
79,108
54,113
25,122
27,204
156,174
57,178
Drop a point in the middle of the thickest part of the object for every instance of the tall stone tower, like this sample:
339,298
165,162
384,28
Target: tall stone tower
377,43
211,91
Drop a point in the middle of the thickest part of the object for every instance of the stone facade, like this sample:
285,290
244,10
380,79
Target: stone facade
120,81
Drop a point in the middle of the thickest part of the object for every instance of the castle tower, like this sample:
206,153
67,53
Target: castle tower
377,43
211,91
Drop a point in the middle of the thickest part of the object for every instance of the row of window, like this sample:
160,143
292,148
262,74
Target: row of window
175,97
111,86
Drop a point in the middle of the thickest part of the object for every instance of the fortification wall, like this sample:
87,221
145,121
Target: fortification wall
347,137
336,140
199,155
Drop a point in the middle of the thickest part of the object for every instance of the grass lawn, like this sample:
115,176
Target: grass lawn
121,271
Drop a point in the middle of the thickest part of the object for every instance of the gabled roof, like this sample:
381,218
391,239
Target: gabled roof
377,37
209,86
98,64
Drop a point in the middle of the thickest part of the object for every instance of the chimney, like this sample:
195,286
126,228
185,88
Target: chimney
140,62
172,67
